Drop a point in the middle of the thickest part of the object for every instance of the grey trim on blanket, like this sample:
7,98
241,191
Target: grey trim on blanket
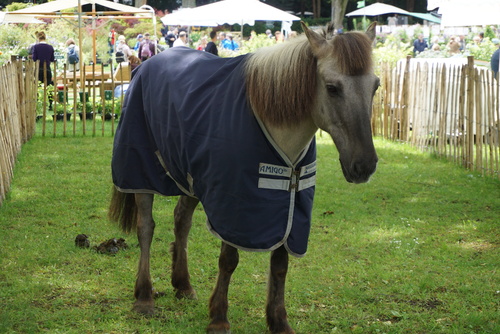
189,178
137,191
293,180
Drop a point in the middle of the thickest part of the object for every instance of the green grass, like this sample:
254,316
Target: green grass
415,250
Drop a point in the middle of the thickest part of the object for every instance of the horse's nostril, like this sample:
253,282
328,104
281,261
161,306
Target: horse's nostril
361,170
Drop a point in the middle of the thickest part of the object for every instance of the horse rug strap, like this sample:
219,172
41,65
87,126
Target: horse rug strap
186,129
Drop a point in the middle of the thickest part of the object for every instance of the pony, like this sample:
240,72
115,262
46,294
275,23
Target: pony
284,93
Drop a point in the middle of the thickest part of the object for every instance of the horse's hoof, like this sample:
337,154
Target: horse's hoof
218,331
186,294
144,308
286,330
219,328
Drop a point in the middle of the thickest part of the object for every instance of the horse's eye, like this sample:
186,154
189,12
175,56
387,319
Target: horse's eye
333,90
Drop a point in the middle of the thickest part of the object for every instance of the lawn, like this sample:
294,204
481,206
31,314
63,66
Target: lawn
415,250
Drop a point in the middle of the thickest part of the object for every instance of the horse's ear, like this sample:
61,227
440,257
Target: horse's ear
330,31
316,40
371,31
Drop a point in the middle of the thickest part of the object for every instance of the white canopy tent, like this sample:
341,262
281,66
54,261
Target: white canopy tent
463,13
55,9
5,18
377,9
381,9
228,12
57,6
185,17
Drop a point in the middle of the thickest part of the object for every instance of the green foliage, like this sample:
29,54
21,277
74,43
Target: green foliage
42,93
391,50
16,6
310,22
362,24
489,32
14,40
482,51
87,104
195,36
142,27
403,37
110,106
256,42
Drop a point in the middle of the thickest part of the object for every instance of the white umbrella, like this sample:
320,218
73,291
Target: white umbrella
230,12
377,9
185,17
6,18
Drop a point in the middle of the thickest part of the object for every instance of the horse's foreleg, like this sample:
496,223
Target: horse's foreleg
183,215
275,310
145,228
228,261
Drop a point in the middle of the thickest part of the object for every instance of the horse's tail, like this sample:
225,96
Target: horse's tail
123,210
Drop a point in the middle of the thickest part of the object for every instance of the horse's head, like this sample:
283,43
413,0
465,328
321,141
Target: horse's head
345,88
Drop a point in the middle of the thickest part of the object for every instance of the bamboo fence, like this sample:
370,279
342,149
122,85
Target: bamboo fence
447,106
18,89
84,97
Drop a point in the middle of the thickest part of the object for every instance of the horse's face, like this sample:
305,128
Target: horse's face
344,102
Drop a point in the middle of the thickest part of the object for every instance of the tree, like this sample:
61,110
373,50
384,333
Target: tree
338,12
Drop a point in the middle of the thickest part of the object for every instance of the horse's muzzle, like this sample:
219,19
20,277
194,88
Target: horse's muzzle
359,171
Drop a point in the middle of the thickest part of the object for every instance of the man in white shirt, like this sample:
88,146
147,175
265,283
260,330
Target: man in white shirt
182,40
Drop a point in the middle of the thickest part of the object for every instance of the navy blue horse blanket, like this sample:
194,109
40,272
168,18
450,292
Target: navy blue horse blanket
187,129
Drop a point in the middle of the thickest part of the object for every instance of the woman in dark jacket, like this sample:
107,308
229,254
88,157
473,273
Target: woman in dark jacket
45,54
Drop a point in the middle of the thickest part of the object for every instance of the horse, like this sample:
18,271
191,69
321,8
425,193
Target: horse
284,93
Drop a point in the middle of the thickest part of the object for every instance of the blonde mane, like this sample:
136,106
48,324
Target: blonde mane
281,80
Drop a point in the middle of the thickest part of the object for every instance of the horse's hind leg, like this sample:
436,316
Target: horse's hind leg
183,215
275,310
228,261
145,228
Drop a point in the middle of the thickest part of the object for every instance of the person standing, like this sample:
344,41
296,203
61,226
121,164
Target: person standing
123,51
44,53
211,46
138,43
147,48
495,58
229,43
223,39
182,40
72,55
171,37
111,41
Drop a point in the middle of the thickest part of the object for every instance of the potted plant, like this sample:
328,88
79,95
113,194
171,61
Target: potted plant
88,110
59,116
112,109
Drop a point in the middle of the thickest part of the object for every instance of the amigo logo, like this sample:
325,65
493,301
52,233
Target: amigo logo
268,169
309,169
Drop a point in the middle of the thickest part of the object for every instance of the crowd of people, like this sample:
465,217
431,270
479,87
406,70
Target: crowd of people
145,47
454,45
457,45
